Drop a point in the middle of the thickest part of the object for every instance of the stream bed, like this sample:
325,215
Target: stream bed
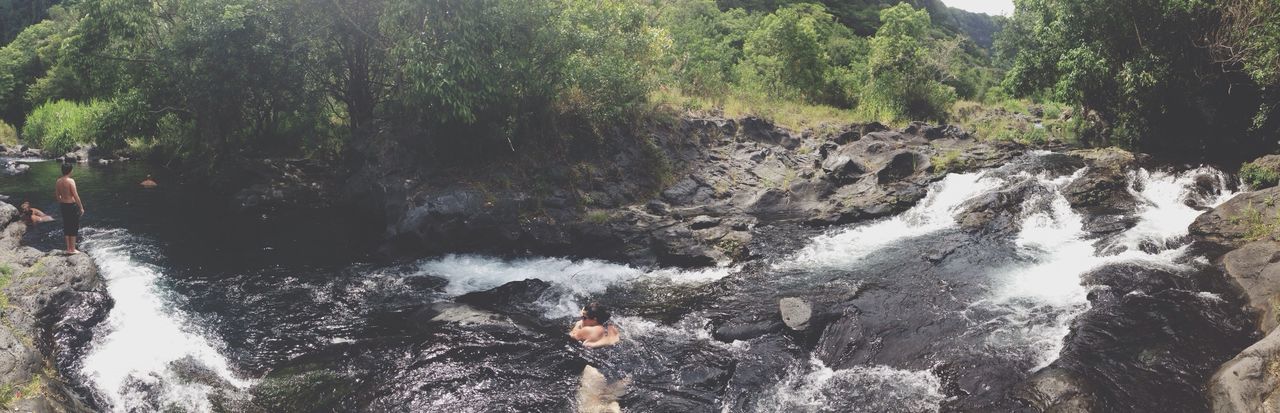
913,313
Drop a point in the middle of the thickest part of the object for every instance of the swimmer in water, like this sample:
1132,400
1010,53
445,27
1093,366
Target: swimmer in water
149,183
31,215
595,330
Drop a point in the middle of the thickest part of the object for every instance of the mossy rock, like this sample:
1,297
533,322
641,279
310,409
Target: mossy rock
1262,173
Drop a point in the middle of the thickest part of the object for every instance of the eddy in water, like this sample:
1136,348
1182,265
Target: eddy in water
598,392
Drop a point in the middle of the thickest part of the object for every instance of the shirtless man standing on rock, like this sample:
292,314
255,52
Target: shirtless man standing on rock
71,207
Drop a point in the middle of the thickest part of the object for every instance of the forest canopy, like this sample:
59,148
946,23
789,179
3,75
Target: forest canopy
200,80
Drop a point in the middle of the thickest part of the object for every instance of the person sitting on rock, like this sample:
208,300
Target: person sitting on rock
599,391
149,183
32,216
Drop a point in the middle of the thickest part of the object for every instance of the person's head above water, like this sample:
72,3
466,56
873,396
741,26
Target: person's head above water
66,168
596,313
25,205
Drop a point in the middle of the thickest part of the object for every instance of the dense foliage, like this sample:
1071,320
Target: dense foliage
1148,72
16,15
204,79
60,126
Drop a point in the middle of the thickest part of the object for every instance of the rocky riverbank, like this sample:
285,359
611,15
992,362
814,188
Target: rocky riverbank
1243,233
689,192
49,302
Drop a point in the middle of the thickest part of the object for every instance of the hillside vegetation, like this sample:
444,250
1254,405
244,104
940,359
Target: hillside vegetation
201,80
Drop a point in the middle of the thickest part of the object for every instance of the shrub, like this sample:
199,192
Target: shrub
59,126
1258,176
8,135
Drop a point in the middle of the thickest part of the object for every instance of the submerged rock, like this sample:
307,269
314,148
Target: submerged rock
1057,390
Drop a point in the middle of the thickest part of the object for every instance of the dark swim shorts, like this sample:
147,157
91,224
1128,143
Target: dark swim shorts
70,219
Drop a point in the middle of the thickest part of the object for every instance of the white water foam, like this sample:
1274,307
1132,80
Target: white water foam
844,248
580,278
1040,300
1164,215
144,334
819,388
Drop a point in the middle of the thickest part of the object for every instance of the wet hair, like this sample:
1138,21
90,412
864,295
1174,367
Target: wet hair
24,202
66,168
598,312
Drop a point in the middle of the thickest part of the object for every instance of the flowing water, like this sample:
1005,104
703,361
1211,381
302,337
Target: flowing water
912,313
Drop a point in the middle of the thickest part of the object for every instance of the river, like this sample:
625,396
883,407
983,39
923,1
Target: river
290,312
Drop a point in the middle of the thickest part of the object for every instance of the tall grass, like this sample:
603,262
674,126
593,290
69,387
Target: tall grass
59,126
8,135
783,112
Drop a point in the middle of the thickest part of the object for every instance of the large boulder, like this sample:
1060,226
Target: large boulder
1262,172
1249,382
1055,390
1104,186
1247,217
1255,268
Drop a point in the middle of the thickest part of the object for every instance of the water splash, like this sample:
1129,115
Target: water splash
577,278
846,247
144,335
1038,301
819,388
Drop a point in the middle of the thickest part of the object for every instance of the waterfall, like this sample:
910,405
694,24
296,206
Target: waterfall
129,360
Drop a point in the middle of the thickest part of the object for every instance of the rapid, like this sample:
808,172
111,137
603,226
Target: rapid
929,310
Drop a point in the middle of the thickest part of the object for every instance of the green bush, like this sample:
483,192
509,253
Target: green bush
8,135
1258,176
59,126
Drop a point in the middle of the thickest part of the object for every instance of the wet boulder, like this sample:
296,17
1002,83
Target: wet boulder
1056,390
842,342
509,296
1104,186
79,154
998,212
735,330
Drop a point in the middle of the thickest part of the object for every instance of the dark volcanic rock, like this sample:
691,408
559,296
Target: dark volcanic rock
1057,390
653,197
1104,187
54,300
1239,220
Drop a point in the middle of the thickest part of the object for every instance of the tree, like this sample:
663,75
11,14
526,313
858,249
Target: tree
900,83
785,56
1140,67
